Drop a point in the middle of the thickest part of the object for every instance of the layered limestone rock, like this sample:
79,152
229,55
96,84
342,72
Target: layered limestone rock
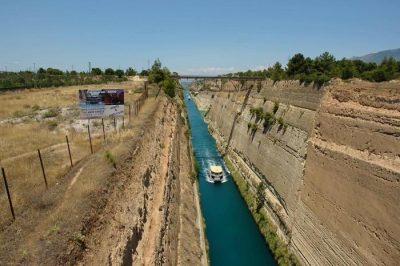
331,162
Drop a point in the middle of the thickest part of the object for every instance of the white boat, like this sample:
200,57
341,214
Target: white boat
189,98
215,174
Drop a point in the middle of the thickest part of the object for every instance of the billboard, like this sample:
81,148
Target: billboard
101,103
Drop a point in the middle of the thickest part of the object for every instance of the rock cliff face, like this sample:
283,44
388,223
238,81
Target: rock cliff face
330,158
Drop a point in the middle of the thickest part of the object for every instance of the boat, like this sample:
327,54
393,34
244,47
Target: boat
215,174
189,98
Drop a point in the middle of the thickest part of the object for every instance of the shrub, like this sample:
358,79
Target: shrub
52,124
259,86
276,107
267,228
51,113
110,158
35,107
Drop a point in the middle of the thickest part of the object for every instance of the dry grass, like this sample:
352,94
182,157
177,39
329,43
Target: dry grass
42,215
20,139
27,101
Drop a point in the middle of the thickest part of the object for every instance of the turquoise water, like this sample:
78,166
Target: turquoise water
233,236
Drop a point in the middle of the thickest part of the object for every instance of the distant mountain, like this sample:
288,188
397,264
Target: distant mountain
379,56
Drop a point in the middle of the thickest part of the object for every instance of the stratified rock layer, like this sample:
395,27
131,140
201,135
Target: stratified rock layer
331,164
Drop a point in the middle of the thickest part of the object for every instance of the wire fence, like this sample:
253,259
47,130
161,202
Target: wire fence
27,176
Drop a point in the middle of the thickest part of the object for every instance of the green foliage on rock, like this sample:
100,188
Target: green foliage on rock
281,251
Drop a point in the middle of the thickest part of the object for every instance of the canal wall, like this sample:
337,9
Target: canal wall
329,157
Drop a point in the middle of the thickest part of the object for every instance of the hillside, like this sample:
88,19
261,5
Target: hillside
379,56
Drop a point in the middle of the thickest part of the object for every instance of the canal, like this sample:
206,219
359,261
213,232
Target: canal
232,234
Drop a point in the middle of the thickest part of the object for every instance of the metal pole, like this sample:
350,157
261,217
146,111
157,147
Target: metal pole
69,151
115,124
90,139
104,132
123,122
41,164
129,113
8,193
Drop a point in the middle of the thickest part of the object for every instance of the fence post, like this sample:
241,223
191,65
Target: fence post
44,173
129,113
104,132
69,151
90,139
115,124
123,122
8,193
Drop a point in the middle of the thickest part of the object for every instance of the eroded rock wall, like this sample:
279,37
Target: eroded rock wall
331,163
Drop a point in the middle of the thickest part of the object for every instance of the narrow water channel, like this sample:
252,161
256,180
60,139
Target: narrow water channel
232,234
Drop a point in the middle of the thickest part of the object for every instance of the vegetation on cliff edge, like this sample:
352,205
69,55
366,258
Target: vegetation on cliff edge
325,66
281,251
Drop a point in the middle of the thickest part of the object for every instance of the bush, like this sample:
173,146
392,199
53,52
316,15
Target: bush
276,107
268,230
110,158
51,113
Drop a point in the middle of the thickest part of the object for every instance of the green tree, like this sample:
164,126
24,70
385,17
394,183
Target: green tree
169,87
119,73
277,73
144,73
298,65
324,63
157,74
54,71
109,71
130,72
96,71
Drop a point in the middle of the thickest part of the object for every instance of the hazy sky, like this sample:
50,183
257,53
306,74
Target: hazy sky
207,36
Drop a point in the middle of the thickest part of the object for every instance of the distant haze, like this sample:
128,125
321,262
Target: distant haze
379,56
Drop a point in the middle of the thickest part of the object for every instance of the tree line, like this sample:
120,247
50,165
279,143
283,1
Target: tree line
325,67
53,77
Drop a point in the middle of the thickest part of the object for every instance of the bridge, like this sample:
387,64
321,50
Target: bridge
196,77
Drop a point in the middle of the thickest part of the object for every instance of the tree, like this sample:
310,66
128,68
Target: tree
277,73
96,71
169,87
260,198
298,65
54,71
157,74
41,71
109,71
324,63
130,72
119,73
144,73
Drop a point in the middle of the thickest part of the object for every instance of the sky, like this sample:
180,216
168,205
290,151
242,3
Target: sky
190,37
